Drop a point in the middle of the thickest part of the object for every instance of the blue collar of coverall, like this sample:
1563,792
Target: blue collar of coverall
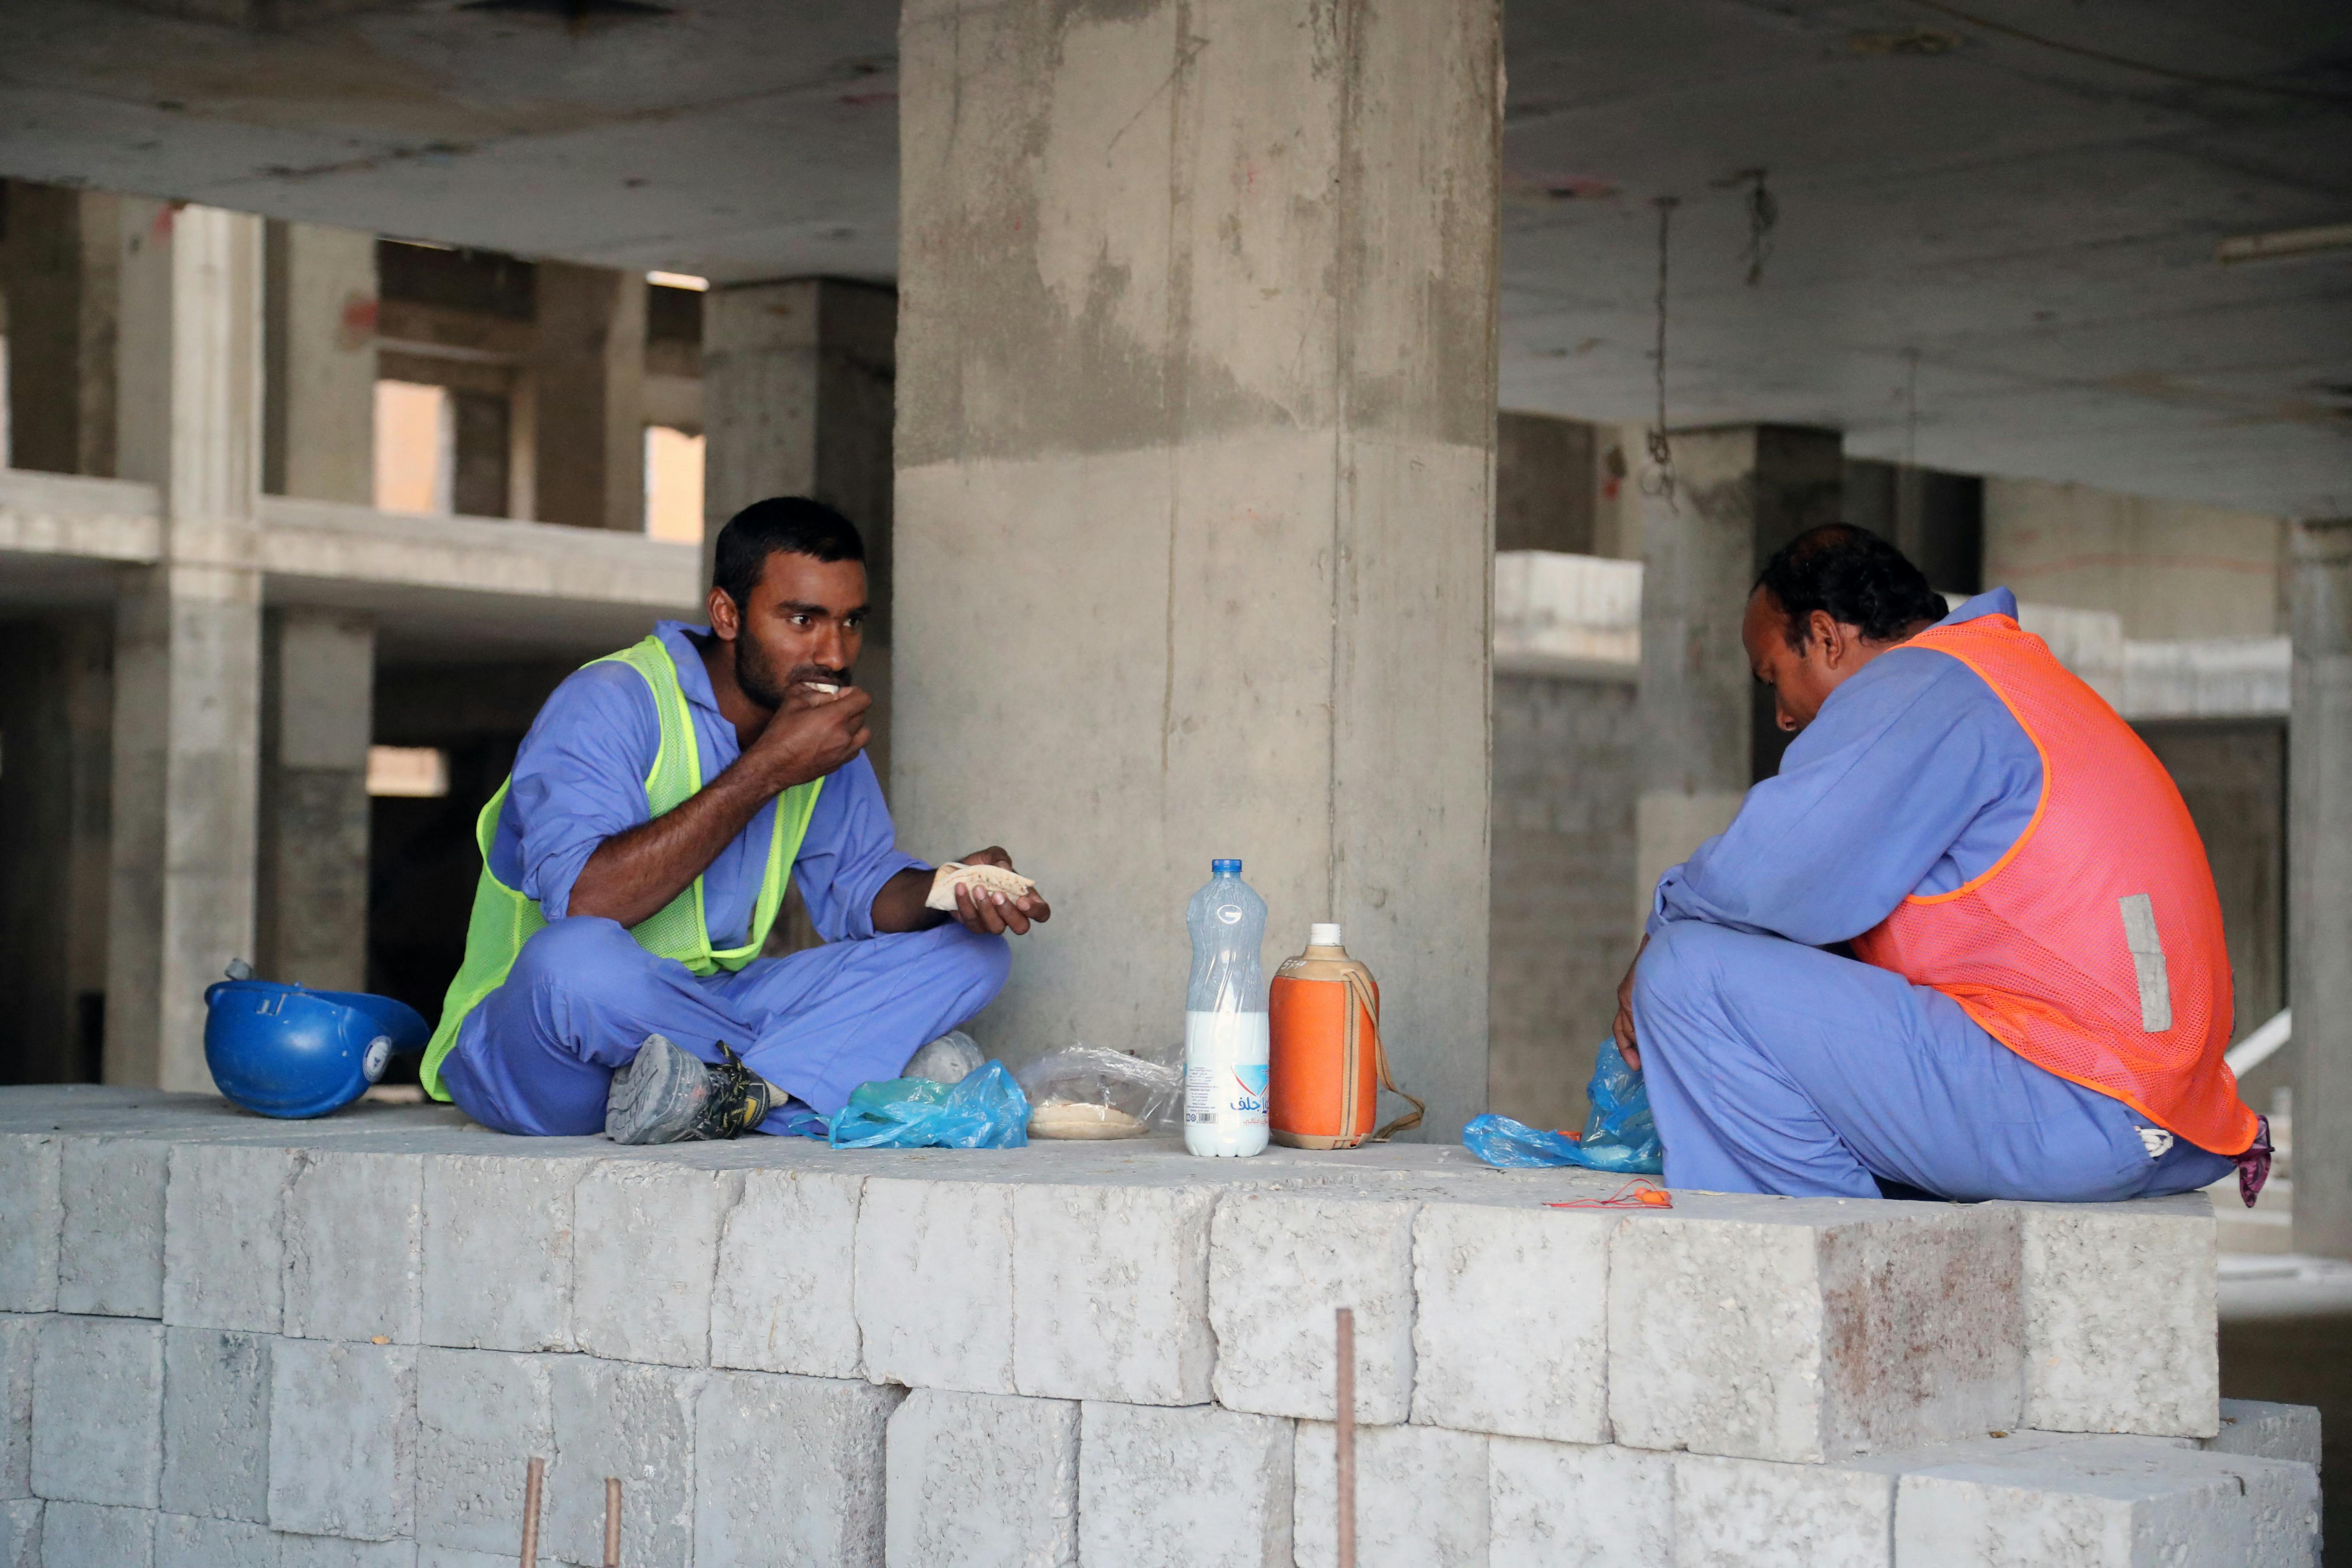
1993,601
693,677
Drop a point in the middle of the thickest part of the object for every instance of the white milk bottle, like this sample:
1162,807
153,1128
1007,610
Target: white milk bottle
1224,1018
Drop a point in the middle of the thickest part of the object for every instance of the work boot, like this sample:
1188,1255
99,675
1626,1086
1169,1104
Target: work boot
666,1096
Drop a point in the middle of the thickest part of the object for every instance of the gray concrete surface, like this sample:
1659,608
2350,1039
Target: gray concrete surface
2319,886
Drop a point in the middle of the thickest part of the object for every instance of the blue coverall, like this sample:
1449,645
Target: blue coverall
538,1055
1775,1066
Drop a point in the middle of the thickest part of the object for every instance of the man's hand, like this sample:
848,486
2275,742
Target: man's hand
811,735
1623,1027
994,914
900,904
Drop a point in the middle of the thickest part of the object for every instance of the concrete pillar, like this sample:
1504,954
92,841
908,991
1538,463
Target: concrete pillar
187,660
55,714
1740,494
319,427
61,279
796,400
1196,425
2319,886
587,418
312,898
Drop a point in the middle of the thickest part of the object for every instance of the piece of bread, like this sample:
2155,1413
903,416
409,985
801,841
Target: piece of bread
979,879
1082,1119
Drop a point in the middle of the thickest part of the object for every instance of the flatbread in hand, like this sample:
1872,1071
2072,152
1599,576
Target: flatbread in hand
979,879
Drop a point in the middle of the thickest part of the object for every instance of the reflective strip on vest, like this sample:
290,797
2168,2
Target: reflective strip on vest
2094,946
504,918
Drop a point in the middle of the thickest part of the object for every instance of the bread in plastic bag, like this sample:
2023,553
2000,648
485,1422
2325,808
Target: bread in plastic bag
1089,1091
986,1110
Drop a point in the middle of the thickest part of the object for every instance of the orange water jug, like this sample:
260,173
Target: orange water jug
1326,1064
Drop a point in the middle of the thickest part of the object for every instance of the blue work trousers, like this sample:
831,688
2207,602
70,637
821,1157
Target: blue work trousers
539,1054
1777,1067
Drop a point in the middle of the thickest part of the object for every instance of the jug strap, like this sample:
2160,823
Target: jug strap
1370,1002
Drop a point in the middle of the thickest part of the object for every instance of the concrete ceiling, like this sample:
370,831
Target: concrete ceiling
2035,218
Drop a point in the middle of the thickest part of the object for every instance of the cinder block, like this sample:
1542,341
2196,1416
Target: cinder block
216,1423
1111,1293
2110,1504
327,1552
2267,1431
454,1557
183,1541
20,1533
645,1250
1279,1263
354,1231
98,1411
1806,1330
20,1345
934,1284
633,1422
1196,1487
1757,1513
981,1480
111,1260
2120,1318
1575,1505
1421,1498
31,1216
225,1235
784,1297
498,1252
88,1535
480,1417
342,1439
1510,1330
788,1470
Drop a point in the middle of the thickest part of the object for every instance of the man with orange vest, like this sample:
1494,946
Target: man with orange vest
2038,998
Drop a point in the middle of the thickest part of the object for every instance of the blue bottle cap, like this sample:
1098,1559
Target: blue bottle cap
1224,868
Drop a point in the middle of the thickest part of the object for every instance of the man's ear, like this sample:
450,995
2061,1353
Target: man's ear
725,621
1823,632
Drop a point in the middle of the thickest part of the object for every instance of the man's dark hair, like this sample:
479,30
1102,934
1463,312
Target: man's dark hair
795,524
1856,576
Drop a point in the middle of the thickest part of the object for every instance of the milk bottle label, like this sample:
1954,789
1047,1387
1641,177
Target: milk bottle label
1225,1057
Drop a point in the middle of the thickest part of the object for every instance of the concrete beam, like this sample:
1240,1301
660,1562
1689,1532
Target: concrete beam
2319,886
188,636
1197,391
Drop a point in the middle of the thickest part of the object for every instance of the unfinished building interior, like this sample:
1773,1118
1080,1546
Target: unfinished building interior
1343,435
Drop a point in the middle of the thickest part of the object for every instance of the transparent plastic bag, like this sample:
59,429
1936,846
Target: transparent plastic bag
1620,1133
986,1110
1088,1092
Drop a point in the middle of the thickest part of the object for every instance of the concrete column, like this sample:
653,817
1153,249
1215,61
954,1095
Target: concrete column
2319,886
319,428
188,636
1740,494
61,279
55,715
1196,430
311,899
796,400
587,418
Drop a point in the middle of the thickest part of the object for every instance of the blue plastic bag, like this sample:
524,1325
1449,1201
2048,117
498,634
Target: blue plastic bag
986,1110
1619,1134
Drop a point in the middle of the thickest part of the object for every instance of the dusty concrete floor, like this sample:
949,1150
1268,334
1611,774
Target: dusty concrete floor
2286,1334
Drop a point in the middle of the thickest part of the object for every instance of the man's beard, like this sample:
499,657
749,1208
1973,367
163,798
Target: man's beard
755,673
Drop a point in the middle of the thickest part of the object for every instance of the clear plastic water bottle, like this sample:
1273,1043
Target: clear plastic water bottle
1224,1018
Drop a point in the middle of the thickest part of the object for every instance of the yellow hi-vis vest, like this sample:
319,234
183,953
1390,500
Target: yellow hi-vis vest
503,919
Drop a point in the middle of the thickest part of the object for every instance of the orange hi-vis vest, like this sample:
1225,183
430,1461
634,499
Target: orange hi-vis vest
2094,947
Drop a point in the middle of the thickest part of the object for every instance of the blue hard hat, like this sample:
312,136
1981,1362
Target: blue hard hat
281,1050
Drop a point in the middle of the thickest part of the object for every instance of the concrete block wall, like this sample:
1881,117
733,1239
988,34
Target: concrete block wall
360,1330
